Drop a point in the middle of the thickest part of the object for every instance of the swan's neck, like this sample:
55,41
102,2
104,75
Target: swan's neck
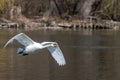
46,46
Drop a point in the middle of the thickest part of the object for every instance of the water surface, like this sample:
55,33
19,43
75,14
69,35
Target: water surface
90,55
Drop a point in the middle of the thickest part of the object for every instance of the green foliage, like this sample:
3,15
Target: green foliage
5,4
1,5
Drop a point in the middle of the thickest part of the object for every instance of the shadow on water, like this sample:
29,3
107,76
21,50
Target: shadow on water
90,55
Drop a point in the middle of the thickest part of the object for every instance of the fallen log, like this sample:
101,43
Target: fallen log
9,25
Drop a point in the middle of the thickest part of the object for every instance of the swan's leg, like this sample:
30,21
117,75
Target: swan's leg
24,54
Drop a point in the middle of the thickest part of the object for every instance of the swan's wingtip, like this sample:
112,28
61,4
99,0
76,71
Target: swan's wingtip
62,64
5,46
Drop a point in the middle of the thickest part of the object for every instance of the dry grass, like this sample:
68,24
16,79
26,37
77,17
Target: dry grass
4,4
110,9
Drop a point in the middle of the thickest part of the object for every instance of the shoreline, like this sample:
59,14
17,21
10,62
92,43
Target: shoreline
91,23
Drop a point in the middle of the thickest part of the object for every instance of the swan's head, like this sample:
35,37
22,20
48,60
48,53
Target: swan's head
49,44
54,44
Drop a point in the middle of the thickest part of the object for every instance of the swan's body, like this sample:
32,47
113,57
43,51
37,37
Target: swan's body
31,47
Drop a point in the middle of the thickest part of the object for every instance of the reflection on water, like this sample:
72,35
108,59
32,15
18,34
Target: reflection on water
90,55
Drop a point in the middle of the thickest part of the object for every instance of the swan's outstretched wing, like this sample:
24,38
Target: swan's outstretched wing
22,39
57,55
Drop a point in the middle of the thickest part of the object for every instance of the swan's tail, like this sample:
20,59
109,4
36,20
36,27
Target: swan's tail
20,50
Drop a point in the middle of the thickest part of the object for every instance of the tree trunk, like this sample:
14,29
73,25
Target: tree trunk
15,12
75,5
95,6
87,7
53,10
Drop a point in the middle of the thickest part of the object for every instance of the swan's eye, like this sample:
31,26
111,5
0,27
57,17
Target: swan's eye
54,45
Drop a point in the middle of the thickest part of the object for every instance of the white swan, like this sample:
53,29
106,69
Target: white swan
31,46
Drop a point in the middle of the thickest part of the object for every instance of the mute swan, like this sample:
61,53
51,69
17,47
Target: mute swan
31,46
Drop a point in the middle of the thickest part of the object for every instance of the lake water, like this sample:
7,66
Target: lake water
89,54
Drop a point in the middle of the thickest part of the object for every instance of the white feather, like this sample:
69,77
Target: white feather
22,39
57,55
32,46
